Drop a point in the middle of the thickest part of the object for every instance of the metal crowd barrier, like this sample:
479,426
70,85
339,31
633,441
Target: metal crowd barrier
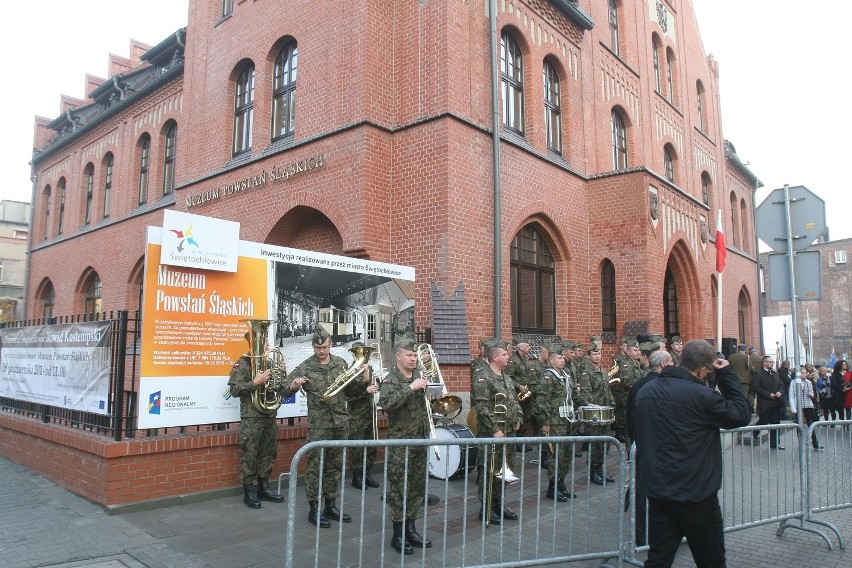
589,527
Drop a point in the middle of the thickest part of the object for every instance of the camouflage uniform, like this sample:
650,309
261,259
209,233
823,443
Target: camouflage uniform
258,430
594,389
553,390
537,367
487,384
407,419
519,370
629,372
327,420
361,428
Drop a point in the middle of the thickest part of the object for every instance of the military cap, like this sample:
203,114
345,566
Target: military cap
553,348
569,345
659,339
578,346
407,342
677,339
631,342
742,347
594,348
596,338
545,347
519,341
486,340
649,346
320,336
626,340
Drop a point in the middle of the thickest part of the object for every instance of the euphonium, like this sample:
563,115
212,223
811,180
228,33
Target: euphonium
266,397
613,380
362,354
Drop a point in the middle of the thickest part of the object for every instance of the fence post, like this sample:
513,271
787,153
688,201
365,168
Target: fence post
121,347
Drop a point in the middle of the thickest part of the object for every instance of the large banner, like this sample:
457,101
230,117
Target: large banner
67,366
193,327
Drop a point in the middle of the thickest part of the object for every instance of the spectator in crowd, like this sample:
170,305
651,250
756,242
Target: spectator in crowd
770,402
840,381
826,395
808,396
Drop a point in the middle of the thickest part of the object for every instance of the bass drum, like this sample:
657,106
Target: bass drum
452,463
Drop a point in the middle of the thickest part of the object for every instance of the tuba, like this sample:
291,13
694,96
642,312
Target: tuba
362,355
266,397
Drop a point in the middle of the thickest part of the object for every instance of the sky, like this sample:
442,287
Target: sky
781,81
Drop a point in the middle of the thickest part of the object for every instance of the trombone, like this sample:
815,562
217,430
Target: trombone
505,474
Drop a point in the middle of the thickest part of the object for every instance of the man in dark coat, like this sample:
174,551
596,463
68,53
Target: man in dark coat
769,390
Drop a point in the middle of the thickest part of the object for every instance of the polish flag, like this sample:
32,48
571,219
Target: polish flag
721,251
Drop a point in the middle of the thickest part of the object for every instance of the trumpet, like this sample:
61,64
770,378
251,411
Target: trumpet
362,354
611,374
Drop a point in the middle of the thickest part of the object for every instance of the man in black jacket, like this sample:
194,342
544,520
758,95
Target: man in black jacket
769,389
679,453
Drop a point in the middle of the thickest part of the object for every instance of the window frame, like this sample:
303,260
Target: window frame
705,188
619,141
543,272
512,82
108,173
244,111
284,77
658,77
169,158
93,298
614,39
668,163
89,174
699,89
48,301
670,77
60,186
609,297
552,108
144,168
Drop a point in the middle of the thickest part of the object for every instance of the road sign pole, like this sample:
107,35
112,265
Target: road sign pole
792,266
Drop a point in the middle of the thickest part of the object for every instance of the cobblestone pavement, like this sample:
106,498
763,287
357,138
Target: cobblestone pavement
42,524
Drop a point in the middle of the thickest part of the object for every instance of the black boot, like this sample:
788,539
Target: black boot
495,518
312,516
399,543
370,482
250,498
265,493
507,513
357,481
332,512
560,486
553,493
413,537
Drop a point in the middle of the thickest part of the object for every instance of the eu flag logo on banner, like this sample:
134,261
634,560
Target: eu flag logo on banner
154,403
289,399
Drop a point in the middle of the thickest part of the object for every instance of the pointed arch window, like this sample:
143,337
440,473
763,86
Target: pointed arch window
735,226
89,176
744,225
48,301
702,125
655,54
671,312
92,301
512,71
144,164
608,296
552,111
46,200
668,162
533,283
244,110
284,92
619,142
108,184
614,43
705,188
670,77
60,187
742,314
169,159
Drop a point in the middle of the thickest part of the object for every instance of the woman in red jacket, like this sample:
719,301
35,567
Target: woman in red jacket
847,390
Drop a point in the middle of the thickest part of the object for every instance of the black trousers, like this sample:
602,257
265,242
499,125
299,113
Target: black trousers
769,416
700,522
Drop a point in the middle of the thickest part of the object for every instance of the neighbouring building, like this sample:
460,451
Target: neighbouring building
14,232
365,129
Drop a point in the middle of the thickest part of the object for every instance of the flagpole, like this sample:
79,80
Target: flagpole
719,316
721,253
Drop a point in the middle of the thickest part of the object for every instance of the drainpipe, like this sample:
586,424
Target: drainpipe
498,212
27,263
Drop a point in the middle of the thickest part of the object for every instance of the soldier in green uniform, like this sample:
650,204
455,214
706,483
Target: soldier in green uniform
629,372
622,357
519,369
555,406
361,408
677,348
327,420
537,367
594,390
258,432
488,382
403,397
578,364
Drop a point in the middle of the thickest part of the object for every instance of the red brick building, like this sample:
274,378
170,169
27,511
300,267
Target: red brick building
612,162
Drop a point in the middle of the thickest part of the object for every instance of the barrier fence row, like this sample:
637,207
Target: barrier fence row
601,525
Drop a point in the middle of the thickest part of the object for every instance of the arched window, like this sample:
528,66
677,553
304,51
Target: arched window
244,110
107,184
668,162
614,42
89,177
92,301
60,187
552,112
169,158
705,188
670,305
619,142
46,201
284,92
144,164
742,315
670,76
512,71
699,88
735,226
608,296
744,225
48,301
533,283
655,54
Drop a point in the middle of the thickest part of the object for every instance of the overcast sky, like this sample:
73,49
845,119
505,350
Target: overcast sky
782,77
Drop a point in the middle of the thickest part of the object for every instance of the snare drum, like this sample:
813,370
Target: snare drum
596,414
452,462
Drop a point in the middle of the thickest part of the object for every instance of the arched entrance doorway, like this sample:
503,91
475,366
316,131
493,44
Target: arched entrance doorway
306,228
681,295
